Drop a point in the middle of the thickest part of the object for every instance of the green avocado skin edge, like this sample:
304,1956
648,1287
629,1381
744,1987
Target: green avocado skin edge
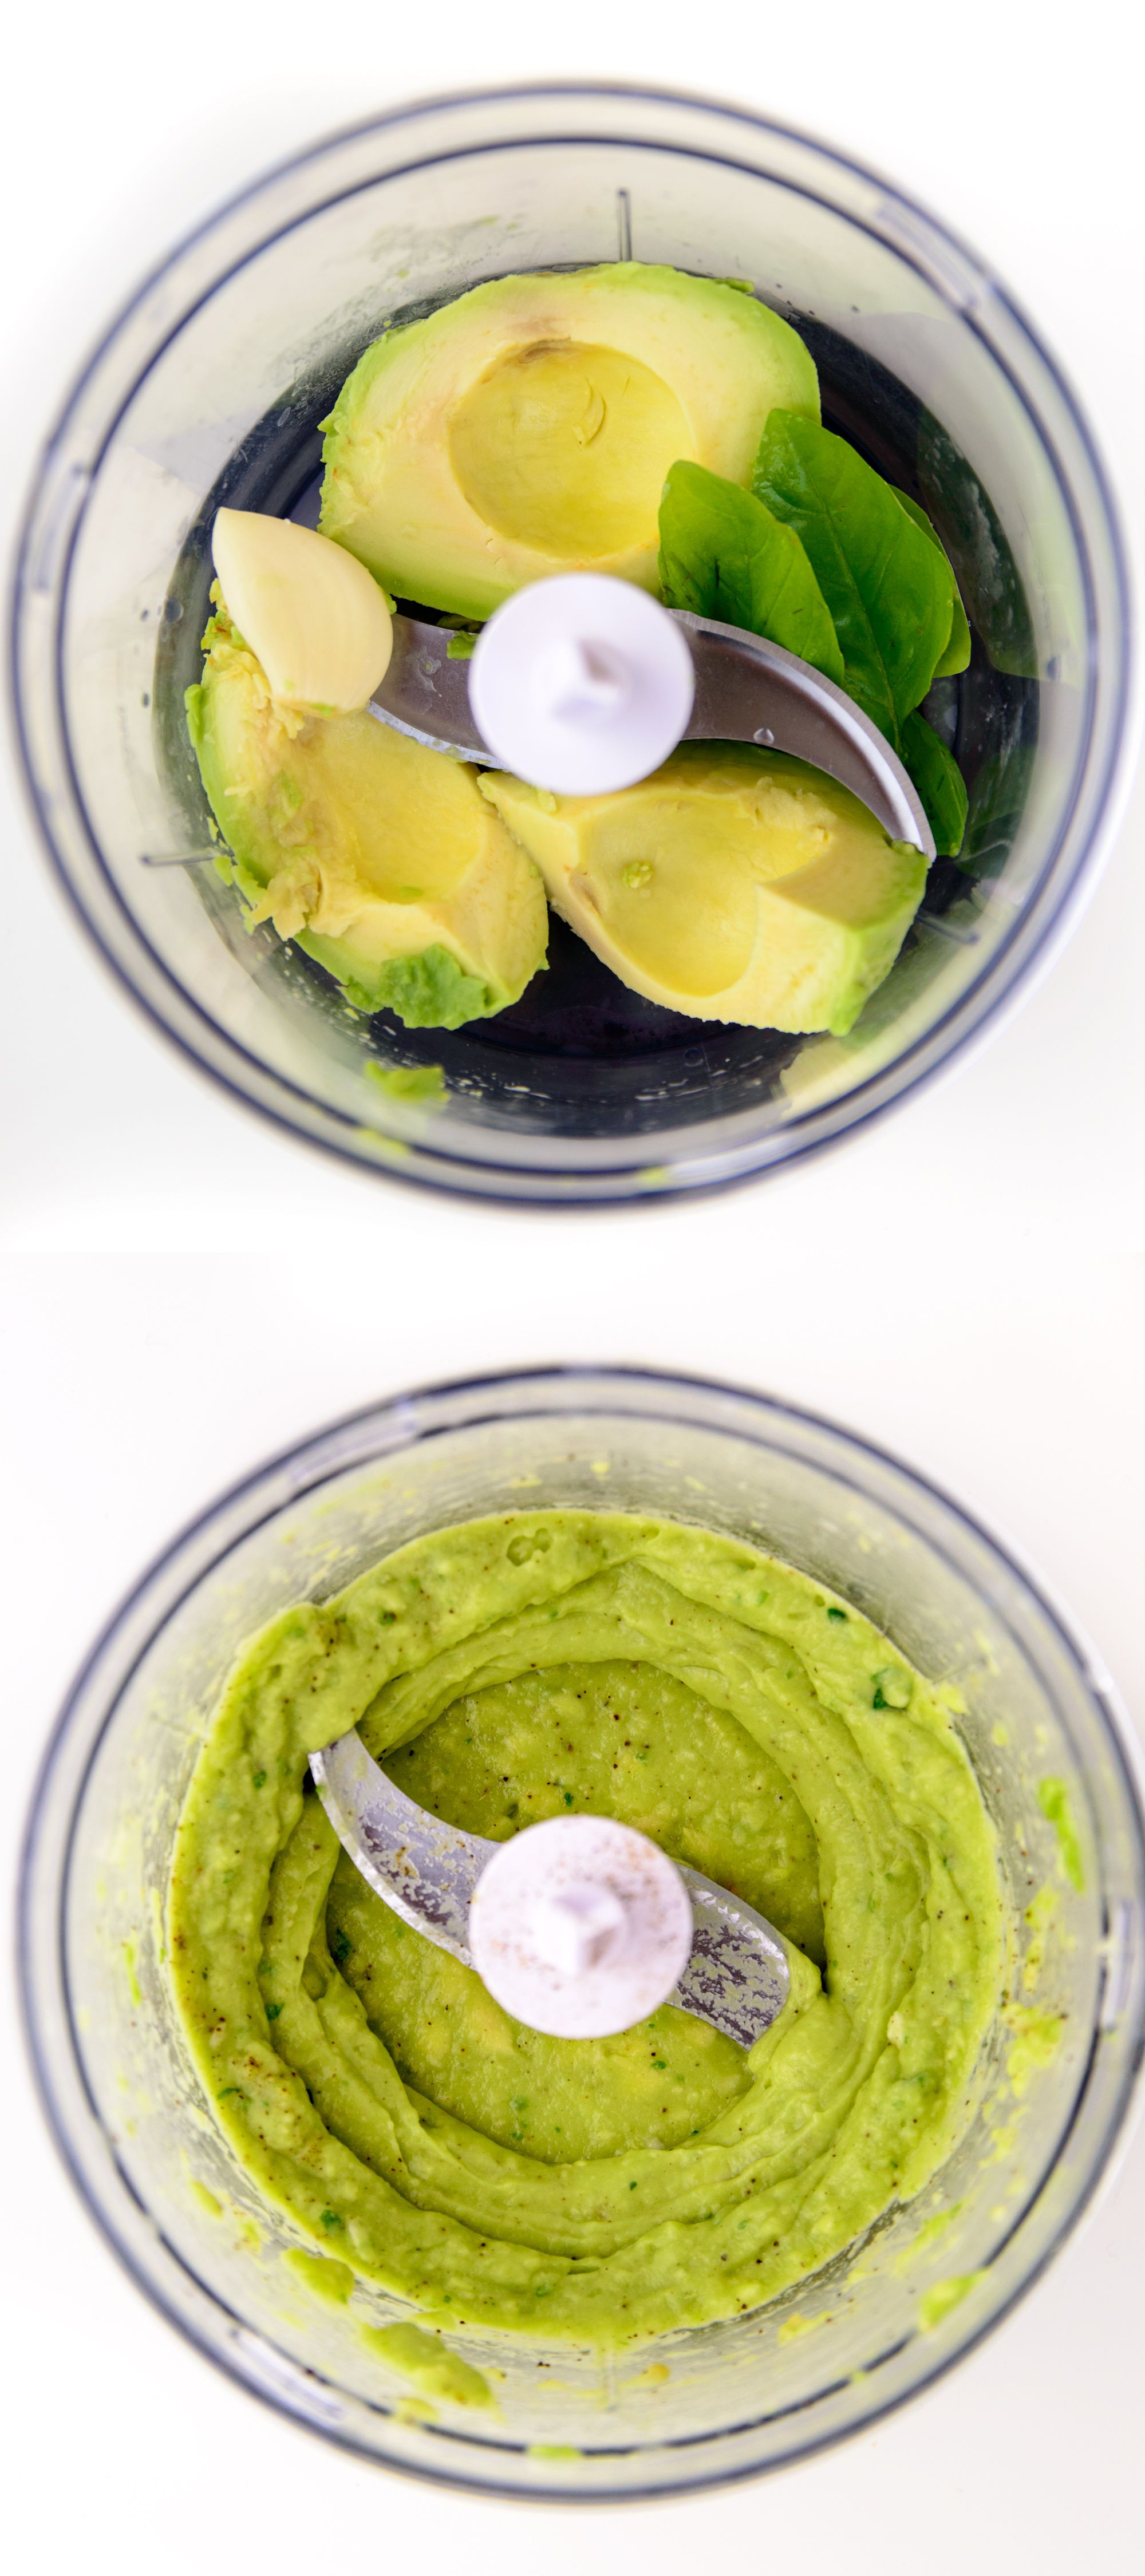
593,2192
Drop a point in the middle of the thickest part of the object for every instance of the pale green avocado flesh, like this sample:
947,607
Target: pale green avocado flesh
528,427
588,2191
733,884
375,854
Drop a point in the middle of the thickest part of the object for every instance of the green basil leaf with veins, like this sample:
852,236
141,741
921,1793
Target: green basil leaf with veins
939,781
957,653
723,555
890,590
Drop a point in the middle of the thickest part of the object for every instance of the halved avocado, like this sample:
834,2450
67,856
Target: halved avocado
734,884
380,858
528,427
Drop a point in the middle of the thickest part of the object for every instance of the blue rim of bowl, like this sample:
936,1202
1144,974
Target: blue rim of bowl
721,1164
485,1397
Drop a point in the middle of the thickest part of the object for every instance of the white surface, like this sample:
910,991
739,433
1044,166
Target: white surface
175,1309
580,1927
581,684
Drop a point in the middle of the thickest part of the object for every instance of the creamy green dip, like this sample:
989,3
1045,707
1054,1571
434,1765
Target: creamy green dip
755,1726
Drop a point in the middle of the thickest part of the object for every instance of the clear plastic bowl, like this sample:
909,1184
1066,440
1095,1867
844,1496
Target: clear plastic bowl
127,2107
209,388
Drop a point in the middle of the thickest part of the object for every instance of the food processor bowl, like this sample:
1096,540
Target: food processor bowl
210,389
849,2342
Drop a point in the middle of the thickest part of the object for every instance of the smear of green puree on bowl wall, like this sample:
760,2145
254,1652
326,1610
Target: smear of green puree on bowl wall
593,2190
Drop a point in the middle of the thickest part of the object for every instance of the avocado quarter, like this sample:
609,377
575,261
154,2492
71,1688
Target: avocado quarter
527,428
380,858
734,884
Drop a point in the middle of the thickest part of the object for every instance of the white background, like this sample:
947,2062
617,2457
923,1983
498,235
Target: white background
186,1291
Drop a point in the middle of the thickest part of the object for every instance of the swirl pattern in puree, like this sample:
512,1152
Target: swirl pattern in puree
596,2191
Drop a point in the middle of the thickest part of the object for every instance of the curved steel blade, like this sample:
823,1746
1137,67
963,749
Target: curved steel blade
737,1977
426,693
426,1870
747,690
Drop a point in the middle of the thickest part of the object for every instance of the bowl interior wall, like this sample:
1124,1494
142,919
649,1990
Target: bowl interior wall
580,1075
1024,1717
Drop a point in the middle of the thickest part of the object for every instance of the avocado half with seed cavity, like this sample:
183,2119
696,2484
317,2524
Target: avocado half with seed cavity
528,427
380,858
734,884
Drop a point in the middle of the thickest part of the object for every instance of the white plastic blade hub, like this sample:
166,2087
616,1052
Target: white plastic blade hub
580,1927
578,1930
581,684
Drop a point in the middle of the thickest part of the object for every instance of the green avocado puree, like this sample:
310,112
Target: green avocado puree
592,2191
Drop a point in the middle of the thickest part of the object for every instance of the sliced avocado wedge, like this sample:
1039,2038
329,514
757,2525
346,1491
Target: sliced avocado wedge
528,427
380,858
734,884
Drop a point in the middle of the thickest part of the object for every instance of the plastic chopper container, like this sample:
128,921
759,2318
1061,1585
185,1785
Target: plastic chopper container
209,389
827,2356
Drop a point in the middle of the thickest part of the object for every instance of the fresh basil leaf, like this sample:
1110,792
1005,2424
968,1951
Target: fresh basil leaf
939,781
723,555
957,653
889,589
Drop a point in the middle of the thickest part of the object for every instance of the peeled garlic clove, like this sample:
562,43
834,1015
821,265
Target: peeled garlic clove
311,613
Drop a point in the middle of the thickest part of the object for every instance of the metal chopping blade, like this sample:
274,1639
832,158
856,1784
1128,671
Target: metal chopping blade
747,690
737,1977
